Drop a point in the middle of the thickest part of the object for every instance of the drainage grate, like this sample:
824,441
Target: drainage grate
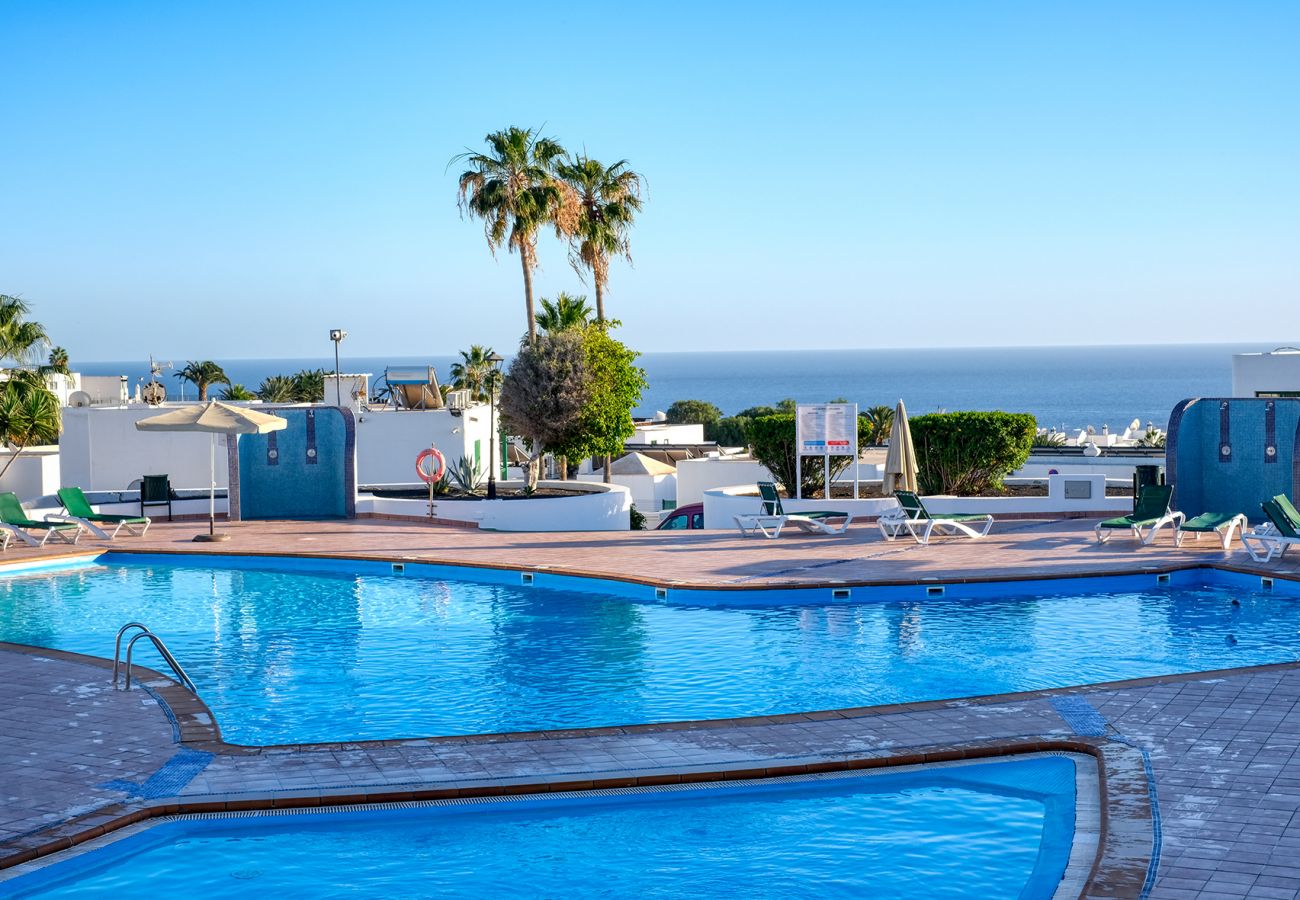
525,577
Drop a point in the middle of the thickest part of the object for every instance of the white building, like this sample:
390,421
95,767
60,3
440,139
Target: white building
1272,374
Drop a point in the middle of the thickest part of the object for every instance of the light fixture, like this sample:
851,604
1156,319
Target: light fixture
337,335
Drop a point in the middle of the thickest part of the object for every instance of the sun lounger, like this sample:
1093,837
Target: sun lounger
1223,525
773,517
15,517
1277,535
80,511
912,517
1152,513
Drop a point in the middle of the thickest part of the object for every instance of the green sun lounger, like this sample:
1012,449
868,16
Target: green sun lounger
1221,524
80,511
1278,534
912,517
15,517
773,517
1152,513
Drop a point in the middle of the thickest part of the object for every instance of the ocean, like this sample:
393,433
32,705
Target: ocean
1062,386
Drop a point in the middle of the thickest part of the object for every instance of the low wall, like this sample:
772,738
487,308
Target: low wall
34,473
127,503
597,507
721,505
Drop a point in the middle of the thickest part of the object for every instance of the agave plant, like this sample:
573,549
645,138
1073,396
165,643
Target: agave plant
467,474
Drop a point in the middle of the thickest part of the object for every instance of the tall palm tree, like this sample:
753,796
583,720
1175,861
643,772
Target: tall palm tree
203,374
475,372
565,312
511,188
606,199
21,341
882,420
276,389
58,361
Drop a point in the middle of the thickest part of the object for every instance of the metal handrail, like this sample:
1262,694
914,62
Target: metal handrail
166,654
117,645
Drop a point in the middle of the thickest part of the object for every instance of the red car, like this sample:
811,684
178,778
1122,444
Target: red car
689,516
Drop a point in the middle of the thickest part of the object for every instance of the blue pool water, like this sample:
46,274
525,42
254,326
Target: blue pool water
996,830
300,656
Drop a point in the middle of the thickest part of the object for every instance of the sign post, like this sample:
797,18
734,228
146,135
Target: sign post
825,430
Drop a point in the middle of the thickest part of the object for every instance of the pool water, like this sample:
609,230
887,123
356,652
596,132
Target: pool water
999,829
304,656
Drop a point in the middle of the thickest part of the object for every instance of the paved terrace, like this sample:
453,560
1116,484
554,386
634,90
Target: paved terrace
77,757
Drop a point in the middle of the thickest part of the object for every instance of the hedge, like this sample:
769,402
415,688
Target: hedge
969,453
772,441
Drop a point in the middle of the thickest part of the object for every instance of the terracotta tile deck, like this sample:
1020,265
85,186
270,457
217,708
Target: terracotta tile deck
76,755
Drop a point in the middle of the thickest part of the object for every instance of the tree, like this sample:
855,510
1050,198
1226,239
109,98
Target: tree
614,389
203,374
58,361
881,420
565,311
545,392
276,389
772,440
29,414
475,372
512,190
237,392
309,386
607,199
969,453
21,340
690,412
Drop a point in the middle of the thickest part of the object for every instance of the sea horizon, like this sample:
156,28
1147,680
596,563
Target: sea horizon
1061,385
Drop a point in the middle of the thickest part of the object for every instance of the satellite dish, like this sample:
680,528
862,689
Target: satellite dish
79,399
154,393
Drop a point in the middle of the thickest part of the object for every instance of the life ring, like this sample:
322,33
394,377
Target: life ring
440,465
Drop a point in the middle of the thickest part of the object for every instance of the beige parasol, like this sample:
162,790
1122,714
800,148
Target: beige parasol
214,418
900,461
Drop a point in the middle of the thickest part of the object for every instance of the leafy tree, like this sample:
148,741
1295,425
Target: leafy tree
881,420
687,412
475,372
728,432
276,389
237,392
603,201
21,340
614,389
772,440
29,413
511,188
786,407
58,361
969,453
203,374
545,392
309,386
564,312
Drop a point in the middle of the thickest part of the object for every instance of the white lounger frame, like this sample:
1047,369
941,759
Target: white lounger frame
894,522
1272,544
1171,518
1225,531
770,526
63,535
100,532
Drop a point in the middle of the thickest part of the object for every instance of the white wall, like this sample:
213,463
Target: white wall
33,474
695,476
649,492
1265,373
1118,467
601,507
388,441
663,433
101,450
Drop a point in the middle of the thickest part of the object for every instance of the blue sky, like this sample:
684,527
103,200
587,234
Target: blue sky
231,180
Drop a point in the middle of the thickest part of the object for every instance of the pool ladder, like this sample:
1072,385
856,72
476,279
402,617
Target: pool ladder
158,643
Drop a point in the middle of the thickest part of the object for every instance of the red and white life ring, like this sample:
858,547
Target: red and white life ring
430,475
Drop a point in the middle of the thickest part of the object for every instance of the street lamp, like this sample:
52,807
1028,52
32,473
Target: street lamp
337,335
496,359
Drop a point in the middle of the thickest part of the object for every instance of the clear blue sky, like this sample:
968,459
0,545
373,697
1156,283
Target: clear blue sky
231,180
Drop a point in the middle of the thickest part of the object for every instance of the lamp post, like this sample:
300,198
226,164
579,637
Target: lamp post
337,335
496,360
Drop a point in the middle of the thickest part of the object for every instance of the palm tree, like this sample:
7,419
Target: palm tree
475,372
563,313
237,392
511,189
21,341
309,386
58,361
203,374
276,389
29,413
607,199
882,420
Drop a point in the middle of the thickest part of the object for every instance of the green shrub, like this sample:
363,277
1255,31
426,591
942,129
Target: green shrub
969,453
772,441
728,432
637,519
693,412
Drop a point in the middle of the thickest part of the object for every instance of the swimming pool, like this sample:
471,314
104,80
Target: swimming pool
987,829
314,650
